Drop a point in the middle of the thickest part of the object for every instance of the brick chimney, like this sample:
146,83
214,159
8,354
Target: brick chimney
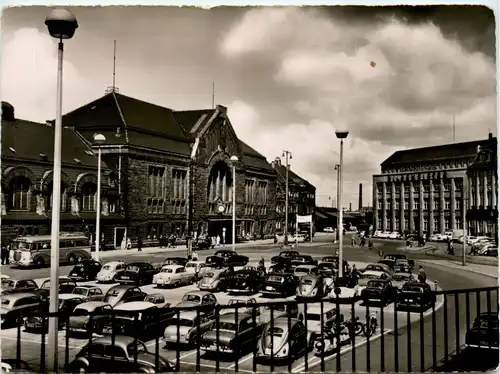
360,202
7,112
221,109
276,162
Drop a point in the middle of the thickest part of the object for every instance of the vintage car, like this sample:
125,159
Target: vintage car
110,270
415,296
344,294
138,273
215,262
257,269
231,258
284,266
12,365
284,256
199,298
387,261
19,305
244,281
157,299
198,268
484,332
187,327
182,261
87,292
314,317
369,275
173,276
329,273
10,285
214,280
122,293
140,319
378,267
303,260
279,308
279,284
404,262
379,291
402,268
395,256
243,304
302,270
119,354
335,261
201,244
399,279
40,325
395,235
311,287
66,285
236,333
79,321
85,270
282,339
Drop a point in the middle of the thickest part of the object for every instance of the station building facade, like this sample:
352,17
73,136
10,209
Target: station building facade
423,190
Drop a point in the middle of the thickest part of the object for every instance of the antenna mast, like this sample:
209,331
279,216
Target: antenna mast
213,95
113,88
453,127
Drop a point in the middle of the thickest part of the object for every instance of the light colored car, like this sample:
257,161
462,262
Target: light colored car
279,310
311,286
197,298
314,319
302,270
488,250
395,235
14,305
80,318
246,304
87,291
385,235
437,238
173,275
199,268
157,299
214,280
110,270
378,267
377,234
345,292
185,328
399,279
367,276
328,229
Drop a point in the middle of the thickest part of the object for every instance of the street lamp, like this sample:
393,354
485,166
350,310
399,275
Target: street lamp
288,156
337,167
99,139
234,160
341,135
61,24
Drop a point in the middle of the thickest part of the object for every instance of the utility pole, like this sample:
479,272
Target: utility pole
337,167
288,156
465,191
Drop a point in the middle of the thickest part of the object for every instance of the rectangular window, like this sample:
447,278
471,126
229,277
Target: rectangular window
398,225
407,188
407,205
458,203
388,203
447,186
388,190
446,204
406,223
397,204
379,204
426,186
446,223
458,184
156,181
426,224
436,204
458,223
416,204
179,184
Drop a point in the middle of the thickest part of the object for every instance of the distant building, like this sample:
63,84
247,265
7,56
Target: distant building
421,190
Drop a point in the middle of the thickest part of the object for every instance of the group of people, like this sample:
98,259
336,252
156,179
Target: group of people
362,241
167,241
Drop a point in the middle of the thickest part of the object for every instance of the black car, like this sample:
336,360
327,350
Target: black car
379,291
484,332
13,285
215,261
415,295
284,267
182,261
202,244
335,260
66,285
40,325
279,284
303,260
244,281
231,258
86,270
387,261
395,256
284,256
138,273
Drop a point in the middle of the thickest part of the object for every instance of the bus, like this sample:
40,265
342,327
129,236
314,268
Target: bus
34,250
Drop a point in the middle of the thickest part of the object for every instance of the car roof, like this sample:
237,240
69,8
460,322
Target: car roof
233,317
308,266
69,296
122,287
87,286
136,305
372,272
117,339
309,276
137,263
402,273
189,314
198,292
196,262
283,322
18,295
173,267
416,284
114,263
91,305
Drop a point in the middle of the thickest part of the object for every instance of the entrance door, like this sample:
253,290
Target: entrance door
120,233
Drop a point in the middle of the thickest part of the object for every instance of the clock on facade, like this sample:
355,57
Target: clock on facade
221,208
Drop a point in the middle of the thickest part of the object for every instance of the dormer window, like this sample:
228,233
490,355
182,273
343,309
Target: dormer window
12,150
89,152
43,156
77,160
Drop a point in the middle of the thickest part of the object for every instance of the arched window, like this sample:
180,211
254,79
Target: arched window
88,199
64,197
20,193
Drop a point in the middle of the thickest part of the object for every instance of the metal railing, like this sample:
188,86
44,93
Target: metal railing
293,336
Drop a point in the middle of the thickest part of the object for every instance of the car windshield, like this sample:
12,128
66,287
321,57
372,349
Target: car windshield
400,277
111,294
228,326
191,298
302,270
136,347
313,317
167,270
237,301
5,302
276,332
106,267
8,283
80,291
274,278
190,265
46,285
485,323
185,322
80,312
415,289
209,274
133,268
369,276
374,284
307,282
155,299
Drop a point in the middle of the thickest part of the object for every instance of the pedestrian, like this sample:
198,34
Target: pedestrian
217,240
354,275
160,240
194,255
139,244
381,253
275,239
422,277
5,255
370,244
353,241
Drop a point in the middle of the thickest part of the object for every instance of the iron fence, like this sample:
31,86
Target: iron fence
294,336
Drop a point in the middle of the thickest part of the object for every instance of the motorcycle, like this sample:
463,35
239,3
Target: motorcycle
329,344
370,326
354,327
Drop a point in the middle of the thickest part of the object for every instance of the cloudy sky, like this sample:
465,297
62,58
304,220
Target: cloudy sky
289,76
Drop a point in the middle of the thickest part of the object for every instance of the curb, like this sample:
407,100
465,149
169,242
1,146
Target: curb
459,267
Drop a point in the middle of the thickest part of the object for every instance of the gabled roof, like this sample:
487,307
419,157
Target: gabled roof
32,141
439,152
292,177
253,158
193,120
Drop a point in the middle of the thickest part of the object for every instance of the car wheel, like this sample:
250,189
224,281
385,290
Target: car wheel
144,370
78,367
40,262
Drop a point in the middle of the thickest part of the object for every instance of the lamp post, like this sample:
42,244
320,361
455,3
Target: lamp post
337,167
341,135
234,160
99,139
465,192
288,156
61,24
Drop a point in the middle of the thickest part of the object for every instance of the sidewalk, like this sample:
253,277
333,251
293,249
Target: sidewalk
490,271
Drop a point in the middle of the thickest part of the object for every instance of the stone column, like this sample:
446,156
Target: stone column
3,205
431,207
470,192
410,215
375,205
485,180
384,207
224,188
402,227
74,205
453,221
421,206
493,190
478,193
393,206
441,205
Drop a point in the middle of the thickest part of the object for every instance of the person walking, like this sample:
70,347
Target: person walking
5,255
353,241
194,255
422,277
354,275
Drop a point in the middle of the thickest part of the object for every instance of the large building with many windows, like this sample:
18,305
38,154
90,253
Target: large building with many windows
422,190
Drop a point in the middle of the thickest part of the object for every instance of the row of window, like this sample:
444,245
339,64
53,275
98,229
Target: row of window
157,183
255,195
425,228
425,187
154,230
416,204
452,164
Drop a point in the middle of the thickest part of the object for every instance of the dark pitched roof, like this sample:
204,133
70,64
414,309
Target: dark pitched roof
253,158
439,152
193,120
292,177
30,140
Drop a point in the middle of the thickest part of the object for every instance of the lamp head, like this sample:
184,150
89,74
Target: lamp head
234,159
99,139
341,134
61,23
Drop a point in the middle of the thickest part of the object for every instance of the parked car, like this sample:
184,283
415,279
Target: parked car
182,261
244,281
119,354
395,235
405,262
173,276
311,287
284,266
399,279
279,284
10,285
279,308
303,260
237,333
40,324
198,268
335,260
12,365
244,305
484,332
66,285
283,339
79,321
328,229
388,262
202,244
138,273
290,255
395,256
19,305
490,250
122,293
379,291
157,299
214,280
231,258
87,292
378,267
415,295
187,327
205,299
344,294
110,270
85,270
215,262
368,275
302,270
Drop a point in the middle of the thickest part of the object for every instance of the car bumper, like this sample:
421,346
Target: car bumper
238,290
207,287
77,277
164,282
174,339
126,281
214,348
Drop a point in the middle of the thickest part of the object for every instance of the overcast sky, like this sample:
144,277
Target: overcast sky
289,76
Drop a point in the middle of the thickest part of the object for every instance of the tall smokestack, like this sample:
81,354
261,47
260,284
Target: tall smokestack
360,197
350,207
